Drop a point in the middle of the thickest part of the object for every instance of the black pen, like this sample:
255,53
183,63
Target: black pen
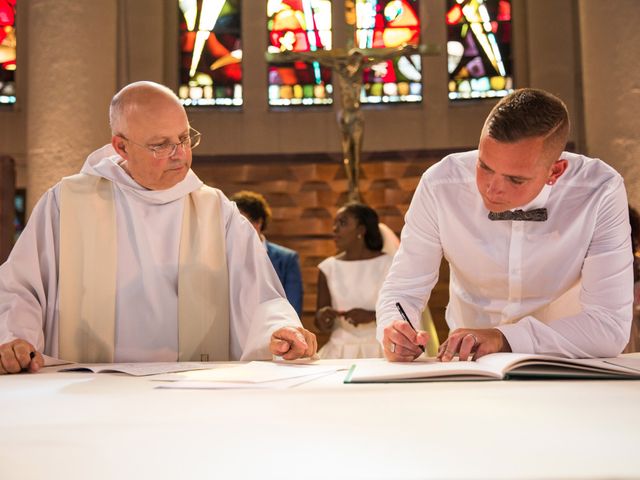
406,319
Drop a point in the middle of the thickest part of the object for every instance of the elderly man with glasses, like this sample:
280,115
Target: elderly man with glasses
135,260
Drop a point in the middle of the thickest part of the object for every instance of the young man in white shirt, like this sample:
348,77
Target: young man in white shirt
537,240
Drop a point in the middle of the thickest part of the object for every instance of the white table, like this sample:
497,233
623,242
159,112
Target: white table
105,426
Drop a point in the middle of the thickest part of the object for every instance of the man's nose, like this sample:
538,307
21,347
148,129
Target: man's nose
495,185
180,153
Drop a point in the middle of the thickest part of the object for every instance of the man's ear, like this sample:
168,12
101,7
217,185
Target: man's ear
557,169
119,145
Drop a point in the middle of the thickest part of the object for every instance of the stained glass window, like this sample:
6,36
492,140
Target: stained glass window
390,23
479,48
299,26
7,51
210,52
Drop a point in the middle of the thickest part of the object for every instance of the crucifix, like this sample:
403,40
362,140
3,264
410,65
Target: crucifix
348,66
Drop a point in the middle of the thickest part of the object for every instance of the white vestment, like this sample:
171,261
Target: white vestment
148,234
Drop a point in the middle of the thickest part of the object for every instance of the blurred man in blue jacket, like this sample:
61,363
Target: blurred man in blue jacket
285,261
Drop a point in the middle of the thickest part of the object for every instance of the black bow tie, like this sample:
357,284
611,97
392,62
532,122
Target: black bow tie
535,215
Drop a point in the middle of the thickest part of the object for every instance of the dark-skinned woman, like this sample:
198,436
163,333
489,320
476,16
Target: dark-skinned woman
348,285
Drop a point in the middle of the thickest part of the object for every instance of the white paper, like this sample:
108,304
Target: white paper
273,384
254,372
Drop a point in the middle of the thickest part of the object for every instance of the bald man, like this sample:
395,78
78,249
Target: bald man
134,259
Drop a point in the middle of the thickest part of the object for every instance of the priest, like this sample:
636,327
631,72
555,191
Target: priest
134,259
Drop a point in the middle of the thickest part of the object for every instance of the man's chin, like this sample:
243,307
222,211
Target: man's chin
172,178
178,173
496,207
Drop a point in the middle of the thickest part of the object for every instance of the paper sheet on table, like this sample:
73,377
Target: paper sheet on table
272,384
254,373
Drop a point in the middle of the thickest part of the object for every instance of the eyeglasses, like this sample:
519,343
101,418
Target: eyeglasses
166,150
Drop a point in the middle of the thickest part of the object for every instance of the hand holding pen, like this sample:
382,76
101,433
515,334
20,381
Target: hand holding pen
401,341
403,314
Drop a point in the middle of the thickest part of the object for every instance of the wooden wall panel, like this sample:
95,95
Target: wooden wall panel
7,209
306,191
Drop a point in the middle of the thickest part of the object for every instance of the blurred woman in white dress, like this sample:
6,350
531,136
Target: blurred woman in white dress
348,285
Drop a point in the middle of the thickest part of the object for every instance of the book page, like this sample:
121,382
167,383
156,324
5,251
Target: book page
505,361
541,365
140,369
626,361
495,366
421,370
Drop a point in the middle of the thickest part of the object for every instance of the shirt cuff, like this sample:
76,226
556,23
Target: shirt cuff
518,336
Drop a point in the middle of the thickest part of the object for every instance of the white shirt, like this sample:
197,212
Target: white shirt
148,228
563,286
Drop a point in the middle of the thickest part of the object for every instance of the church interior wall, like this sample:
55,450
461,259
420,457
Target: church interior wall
575,49
611,86
146,49
581,50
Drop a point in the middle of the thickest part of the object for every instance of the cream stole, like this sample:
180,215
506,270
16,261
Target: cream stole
87,274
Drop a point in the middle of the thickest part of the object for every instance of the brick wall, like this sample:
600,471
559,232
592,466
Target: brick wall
7,210
305,192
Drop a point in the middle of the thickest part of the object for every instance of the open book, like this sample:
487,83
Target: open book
496,366
138,369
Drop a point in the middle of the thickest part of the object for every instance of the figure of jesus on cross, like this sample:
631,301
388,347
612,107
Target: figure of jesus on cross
348,65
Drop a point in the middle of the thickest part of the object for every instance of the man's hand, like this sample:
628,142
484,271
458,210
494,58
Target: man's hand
356,316
293,342
19,356
470,343
325,318
401,342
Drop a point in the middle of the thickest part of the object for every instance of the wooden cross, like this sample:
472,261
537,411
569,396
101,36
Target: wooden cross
348,65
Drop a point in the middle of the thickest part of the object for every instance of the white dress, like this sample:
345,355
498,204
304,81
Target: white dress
354,284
